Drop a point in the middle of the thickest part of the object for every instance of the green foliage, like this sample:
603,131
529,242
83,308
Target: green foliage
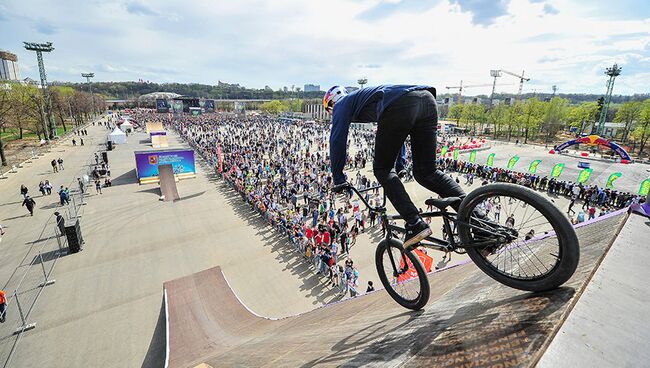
274,107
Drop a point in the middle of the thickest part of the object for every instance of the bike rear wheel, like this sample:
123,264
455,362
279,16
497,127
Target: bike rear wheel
402,274
536,249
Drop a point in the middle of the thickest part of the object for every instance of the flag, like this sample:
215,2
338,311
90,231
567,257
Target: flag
511,163
456,152
645,187
472,156
490,160
557,170
443,151
584,175
533,166
610,180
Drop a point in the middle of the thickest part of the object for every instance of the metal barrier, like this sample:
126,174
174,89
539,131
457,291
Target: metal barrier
34,272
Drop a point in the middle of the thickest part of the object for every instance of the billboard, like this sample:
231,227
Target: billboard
209,106
146,162
162,106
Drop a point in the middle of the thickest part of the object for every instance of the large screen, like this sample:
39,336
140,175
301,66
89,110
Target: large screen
182,161
162,106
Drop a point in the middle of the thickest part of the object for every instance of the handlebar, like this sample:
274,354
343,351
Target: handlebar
378,209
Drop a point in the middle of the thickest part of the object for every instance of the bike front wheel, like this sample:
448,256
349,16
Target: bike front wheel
402,274
518,237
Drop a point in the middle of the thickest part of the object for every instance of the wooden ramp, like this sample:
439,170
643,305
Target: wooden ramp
168,183
471,320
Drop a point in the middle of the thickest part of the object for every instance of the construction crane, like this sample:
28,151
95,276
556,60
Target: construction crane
522,79
460,87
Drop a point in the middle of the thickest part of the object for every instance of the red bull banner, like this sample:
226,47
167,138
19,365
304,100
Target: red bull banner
595,140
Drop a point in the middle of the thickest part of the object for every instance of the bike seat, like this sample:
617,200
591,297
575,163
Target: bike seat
442,203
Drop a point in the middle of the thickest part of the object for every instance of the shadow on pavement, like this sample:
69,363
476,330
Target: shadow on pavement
157,347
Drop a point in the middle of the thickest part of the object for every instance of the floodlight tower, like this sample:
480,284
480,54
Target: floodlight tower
613,72
40,48
362,82
495,74
90,88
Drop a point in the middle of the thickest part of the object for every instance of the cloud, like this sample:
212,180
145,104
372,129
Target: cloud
549,9
387,8
369,66
45,28
484,12
139,9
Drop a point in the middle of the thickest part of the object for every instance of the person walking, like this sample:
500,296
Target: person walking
29,203
60,162
54,168
60,223
63,196
82,186
98,187
23,191
81,141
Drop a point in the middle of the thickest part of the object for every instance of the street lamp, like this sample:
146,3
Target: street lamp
90,88
40,48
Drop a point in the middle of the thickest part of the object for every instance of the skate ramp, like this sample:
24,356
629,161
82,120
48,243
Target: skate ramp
470,320
168,183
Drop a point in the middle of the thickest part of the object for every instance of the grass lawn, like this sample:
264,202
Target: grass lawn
12,134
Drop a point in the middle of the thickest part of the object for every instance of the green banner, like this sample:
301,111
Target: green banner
645,187
511,163
472,156
557,170
443,151
456,152
584,175
490,160
533,166
610,180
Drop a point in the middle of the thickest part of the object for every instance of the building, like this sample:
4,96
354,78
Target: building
9,66
316,111
312,88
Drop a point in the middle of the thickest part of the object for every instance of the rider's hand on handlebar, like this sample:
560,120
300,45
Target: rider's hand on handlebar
340,188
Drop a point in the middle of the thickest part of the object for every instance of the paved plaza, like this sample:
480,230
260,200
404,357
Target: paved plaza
106,304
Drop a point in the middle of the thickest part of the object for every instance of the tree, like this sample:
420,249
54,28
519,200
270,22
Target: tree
581,115
274,107
473,114
641,133
455,112
5,108
554,117
61,103
628,114
497,117
512,117
533,113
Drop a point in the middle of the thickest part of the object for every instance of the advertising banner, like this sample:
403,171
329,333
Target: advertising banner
533,166
443,151
426,260
182,161
584,175
490,160
456,152
472,157
610,180
511,163
557,170
645,187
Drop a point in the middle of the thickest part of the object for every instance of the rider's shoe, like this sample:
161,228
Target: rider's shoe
416,233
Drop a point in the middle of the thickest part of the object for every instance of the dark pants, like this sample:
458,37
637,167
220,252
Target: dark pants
413,114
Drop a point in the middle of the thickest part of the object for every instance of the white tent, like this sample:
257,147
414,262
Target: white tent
117,136
127,126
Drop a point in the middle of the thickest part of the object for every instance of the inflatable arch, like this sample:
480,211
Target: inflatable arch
596,140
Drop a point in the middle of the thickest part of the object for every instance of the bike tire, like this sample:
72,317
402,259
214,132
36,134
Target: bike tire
569,247
423,293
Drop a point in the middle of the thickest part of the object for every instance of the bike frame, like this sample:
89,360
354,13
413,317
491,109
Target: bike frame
431,242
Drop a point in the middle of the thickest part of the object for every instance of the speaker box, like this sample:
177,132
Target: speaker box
105,156
73,234
109,145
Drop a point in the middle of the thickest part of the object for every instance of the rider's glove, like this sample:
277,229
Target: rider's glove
340,188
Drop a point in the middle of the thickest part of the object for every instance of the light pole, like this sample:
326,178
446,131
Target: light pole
613,72
40,48
362,82
90,88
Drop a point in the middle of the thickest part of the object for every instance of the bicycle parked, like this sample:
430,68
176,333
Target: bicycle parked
530,245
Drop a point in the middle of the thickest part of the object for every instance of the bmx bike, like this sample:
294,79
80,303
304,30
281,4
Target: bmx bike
534,248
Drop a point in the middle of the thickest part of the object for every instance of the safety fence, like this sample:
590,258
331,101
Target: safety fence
34,271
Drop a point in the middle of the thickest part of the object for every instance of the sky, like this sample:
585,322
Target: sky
290,42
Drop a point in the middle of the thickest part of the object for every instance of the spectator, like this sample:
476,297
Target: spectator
29,203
